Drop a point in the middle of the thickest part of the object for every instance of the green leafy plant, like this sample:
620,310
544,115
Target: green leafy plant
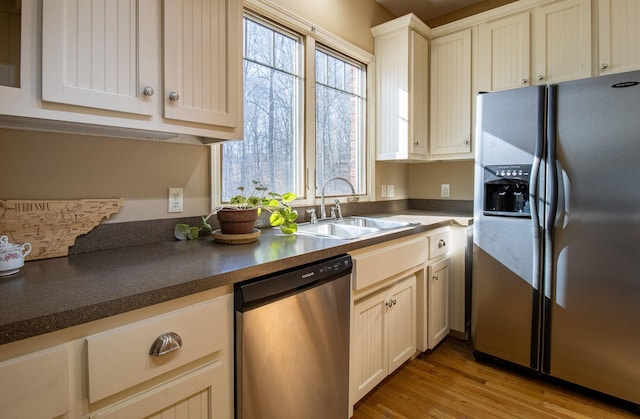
278,205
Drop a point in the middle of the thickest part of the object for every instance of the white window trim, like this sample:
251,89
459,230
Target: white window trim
311,34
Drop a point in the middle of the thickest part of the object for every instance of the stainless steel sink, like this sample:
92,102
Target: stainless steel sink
336,230
379,223
350,228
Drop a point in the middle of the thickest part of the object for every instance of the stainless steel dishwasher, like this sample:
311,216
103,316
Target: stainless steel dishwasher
292,343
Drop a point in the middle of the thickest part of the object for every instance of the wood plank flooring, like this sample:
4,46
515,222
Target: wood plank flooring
449,383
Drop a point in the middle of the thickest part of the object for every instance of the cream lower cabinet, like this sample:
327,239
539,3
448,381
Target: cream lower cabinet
174,359
618,36
438,317
383,311
433,292
384,334
35,385
197,395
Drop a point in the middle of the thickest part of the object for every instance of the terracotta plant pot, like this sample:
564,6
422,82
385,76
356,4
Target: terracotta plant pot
237,221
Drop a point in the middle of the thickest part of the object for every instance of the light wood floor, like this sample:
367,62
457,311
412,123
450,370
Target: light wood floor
449,383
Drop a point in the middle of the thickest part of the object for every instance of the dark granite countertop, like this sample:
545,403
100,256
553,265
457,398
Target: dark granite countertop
54,294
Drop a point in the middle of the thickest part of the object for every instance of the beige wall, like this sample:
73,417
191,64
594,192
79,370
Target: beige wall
351,20
396,174
42,165
425,180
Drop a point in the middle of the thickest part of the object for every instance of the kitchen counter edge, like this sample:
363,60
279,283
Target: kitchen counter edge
54,294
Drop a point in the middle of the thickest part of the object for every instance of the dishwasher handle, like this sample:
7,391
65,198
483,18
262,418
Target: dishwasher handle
269,288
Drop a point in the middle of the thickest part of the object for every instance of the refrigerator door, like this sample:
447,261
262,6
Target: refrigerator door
594,297
505,297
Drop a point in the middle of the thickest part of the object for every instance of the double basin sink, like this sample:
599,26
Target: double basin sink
350,227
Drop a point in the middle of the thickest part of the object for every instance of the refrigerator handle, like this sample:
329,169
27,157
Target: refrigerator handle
534,186
552,181
537,207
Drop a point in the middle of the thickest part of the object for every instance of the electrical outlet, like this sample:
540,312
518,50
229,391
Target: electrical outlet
175,199
445,190
391,191
383,192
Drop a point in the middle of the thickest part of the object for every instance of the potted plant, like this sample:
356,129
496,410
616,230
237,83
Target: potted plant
239,216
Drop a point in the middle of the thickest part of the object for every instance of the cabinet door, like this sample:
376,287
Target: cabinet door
503,62
562,41
91,55
451,101
438,280
619,36
10,22
401,322
419,96
35,385
197,395
369,351
203,61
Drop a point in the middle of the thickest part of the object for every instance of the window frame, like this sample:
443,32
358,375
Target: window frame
310,36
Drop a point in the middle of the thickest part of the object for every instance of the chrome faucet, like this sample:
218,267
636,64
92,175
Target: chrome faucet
336,212
323,208
314,219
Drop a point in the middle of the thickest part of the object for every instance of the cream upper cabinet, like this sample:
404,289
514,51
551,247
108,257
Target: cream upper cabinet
202,72
402,66
129,68
451,97
561,35
619,37
94,55
503,62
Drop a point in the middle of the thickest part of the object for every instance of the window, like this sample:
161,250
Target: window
340,117
278,148
271,151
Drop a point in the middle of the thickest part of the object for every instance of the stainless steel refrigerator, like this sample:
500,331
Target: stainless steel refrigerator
556,269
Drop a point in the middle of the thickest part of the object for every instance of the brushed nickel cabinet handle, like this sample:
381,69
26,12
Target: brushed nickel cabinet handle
148,91
174,96
166,343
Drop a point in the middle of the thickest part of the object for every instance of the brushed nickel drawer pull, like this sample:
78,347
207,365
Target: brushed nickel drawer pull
165,343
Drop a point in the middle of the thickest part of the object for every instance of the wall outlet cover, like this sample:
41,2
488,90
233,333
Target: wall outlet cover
175,200
445,190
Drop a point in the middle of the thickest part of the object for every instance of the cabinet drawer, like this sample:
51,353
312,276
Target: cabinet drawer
438,243
379,262
119,358
35,385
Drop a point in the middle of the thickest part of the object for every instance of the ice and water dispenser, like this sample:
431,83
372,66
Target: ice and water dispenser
506,190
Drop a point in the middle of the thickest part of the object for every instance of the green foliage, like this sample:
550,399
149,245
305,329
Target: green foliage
282,215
